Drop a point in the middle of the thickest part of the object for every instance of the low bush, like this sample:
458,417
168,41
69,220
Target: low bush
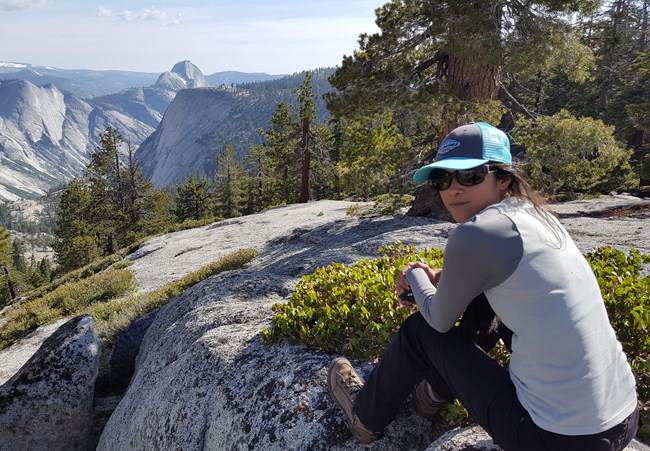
627,299
114,261
348,309
66,300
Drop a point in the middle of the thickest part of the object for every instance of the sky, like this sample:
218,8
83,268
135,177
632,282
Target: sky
271,36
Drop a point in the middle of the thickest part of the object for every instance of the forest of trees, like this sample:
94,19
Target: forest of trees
569,81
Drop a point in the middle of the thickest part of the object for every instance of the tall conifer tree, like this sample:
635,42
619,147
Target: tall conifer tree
193,200
229,184
455,55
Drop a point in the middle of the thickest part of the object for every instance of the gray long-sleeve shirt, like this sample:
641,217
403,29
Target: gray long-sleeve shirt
568,368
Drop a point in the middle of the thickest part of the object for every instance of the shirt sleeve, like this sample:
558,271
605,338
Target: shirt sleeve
480,254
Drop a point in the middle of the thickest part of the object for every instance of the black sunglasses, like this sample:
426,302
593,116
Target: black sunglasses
441,179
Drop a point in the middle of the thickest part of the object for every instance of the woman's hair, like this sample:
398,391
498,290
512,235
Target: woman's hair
519,186
521,189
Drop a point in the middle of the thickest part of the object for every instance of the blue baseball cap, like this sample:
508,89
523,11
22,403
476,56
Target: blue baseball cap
466,147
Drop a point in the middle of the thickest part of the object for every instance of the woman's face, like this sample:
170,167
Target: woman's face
463,202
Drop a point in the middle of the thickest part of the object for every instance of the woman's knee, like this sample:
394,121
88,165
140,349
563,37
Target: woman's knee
416,329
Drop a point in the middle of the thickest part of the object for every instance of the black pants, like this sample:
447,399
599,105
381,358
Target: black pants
457,368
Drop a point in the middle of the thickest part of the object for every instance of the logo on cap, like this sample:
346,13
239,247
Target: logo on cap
447,146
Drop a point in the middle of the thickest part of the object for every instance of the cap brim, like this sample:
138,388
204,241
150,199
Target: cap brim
454,164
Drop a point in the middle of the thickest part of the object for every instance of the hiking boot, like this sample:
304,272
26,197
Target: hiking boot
427,403
343,384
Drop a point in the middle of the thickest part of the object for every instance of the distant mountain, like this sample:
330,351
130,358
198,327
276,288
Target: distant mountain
201,122
85,83
230,78
47,135
82,83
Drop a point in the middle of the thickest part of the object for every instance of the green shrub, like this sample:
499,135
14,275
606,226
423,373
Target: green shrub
567,157
114,261
627,298
66,300
348,309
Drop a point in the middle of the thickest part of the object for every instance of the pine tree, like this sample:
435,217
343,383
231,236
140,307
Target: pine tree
455,55
157,212
193,200
18,255
619,88
306,118
45,270
293,163
7,287
372,152
108,198
257,194
110,207
229,185
148,210
283,157
77,242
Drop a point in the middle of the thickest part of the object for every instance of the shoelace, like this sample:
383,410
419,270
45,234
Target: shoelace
352,384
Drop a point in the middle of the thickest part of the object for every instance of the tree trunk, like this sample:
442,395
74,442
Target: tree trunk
469,82
306,161
118,175
644,26
466,82
10,285
427,203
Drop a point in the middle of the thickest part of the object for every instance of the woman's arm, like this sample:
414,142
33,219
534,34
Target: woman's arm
480,254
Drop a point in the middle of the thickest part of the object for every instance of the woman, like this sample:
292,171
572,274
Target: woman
568,385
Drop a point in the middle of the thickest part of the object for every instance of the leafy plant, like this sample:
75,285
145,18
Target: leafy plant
66,300
349,309
567,156
627,298
114,261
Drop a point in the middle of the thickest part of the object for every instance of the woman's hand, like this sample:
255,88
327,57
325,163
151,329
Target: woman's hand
402,284
433,273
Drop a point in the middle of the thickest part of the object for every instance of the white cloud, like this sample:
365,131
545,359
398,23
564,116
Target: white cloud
104,11
125,15
150,14
12,5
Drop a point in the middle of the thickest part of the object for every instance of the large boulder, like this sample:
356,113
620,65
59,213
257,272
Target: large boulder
48,404
204,380
15,356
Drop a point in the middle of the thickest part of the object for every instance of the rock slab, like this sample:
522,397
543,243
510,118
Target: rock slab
48,404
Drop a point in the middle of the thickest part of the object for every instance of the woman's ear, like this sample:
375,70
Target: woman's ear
504,183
